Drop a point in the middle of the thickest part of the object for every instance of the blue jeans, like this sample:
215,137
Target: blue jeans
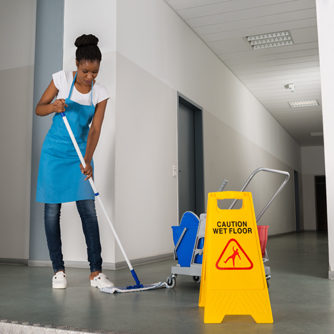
86,209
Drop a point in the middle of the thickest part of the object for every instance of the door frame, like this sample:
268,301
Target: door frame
297,200
199,153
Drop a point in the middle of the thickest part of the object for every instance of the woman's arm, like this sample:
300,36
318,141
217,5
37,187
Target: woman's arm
45,107
93,137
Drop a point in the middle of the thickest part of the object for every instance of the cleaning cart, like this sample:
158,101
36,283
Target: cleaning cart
189,235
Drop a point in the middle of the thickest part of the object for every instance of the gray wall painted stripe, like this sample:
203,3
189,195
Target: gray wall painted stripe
48,59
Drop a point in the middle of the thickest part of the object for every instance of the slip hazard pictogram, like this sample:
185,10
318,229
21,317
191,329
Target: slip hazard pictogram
233,257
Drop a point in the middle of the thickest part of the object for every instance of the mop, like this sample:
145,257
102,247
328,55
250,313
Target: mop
132,288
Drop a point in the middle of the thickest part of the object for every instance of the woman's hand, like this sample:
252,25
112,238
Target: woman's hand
88,170
59,105
45,107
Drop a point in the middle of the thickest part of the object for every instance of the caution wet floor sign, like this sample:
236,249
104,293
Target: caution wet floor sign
233,279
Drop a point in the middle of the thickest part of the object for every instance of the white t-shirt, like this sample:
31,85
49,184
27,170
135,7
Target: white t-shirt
63,81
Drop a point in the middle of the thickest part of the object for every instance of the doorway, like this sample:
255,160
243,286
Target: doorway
190,158
321,203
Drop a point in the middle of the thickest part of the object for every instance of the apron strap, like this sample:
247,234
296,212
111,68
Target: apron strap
91,94
70,93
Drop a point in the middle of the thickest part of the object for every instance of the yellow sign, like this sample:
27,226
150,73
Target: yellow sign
233,279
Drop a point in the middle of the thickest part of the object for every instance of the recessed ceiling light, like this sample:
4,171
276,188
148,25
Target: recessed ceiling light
290,87
304,104
270,40
316,134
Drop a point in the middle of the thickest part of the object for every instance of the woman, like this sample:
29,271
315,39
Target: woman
61,177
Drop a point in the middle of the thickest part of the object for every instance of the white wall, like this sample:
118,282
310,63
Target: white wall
325,23
149,55
152,36
83,18
313,164
17,24
158,56
146,149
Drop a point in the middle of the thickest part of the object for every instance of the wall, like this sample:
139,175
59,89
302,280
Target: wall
146,149
149,55
313,164
55,50
157,57
163,45
83,18
16,90
325,24
48,59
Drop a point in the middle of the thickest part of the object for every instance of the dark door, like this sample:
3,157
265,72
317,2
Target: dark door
190,158
321,204
187,176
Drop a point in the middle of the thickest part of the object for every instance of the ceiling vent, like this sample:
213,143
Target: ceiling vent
303,104
270,40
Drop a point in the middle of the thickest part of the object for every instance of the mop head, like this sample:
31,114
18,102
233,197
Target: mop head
135,288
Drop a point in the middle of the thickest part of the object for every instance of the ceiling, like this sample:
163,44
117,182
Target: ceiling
223,26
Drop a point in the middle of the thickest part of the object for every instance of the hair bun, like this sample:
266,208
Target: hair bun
86,40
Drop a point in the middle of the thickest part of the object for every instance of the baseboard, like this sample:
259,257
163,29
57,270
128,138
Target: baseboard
146,260
14,261
106,265
282,234
331,275
39,263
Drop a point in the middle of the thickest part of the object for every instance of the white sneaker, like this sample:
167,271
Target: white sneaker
59,280
101,281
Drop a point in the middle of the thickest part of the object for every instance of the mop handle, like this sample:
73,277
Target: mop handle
68,127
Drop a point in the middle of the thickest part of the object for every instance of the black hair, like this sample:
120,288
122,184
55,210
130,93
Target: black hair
87,48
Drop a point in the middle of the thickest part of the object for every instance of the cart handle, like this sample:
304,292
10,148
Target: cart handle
223,185
269,170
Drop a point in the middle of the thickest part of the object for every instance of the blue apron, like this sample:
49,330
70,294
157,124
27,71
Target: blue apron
59,176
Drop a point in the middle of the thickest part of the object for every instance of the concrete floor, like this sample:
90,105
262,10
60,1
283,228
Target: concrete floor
302,297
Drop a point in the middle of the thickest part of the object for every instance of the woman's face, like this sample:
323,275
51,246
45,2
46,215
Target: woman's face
87,71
